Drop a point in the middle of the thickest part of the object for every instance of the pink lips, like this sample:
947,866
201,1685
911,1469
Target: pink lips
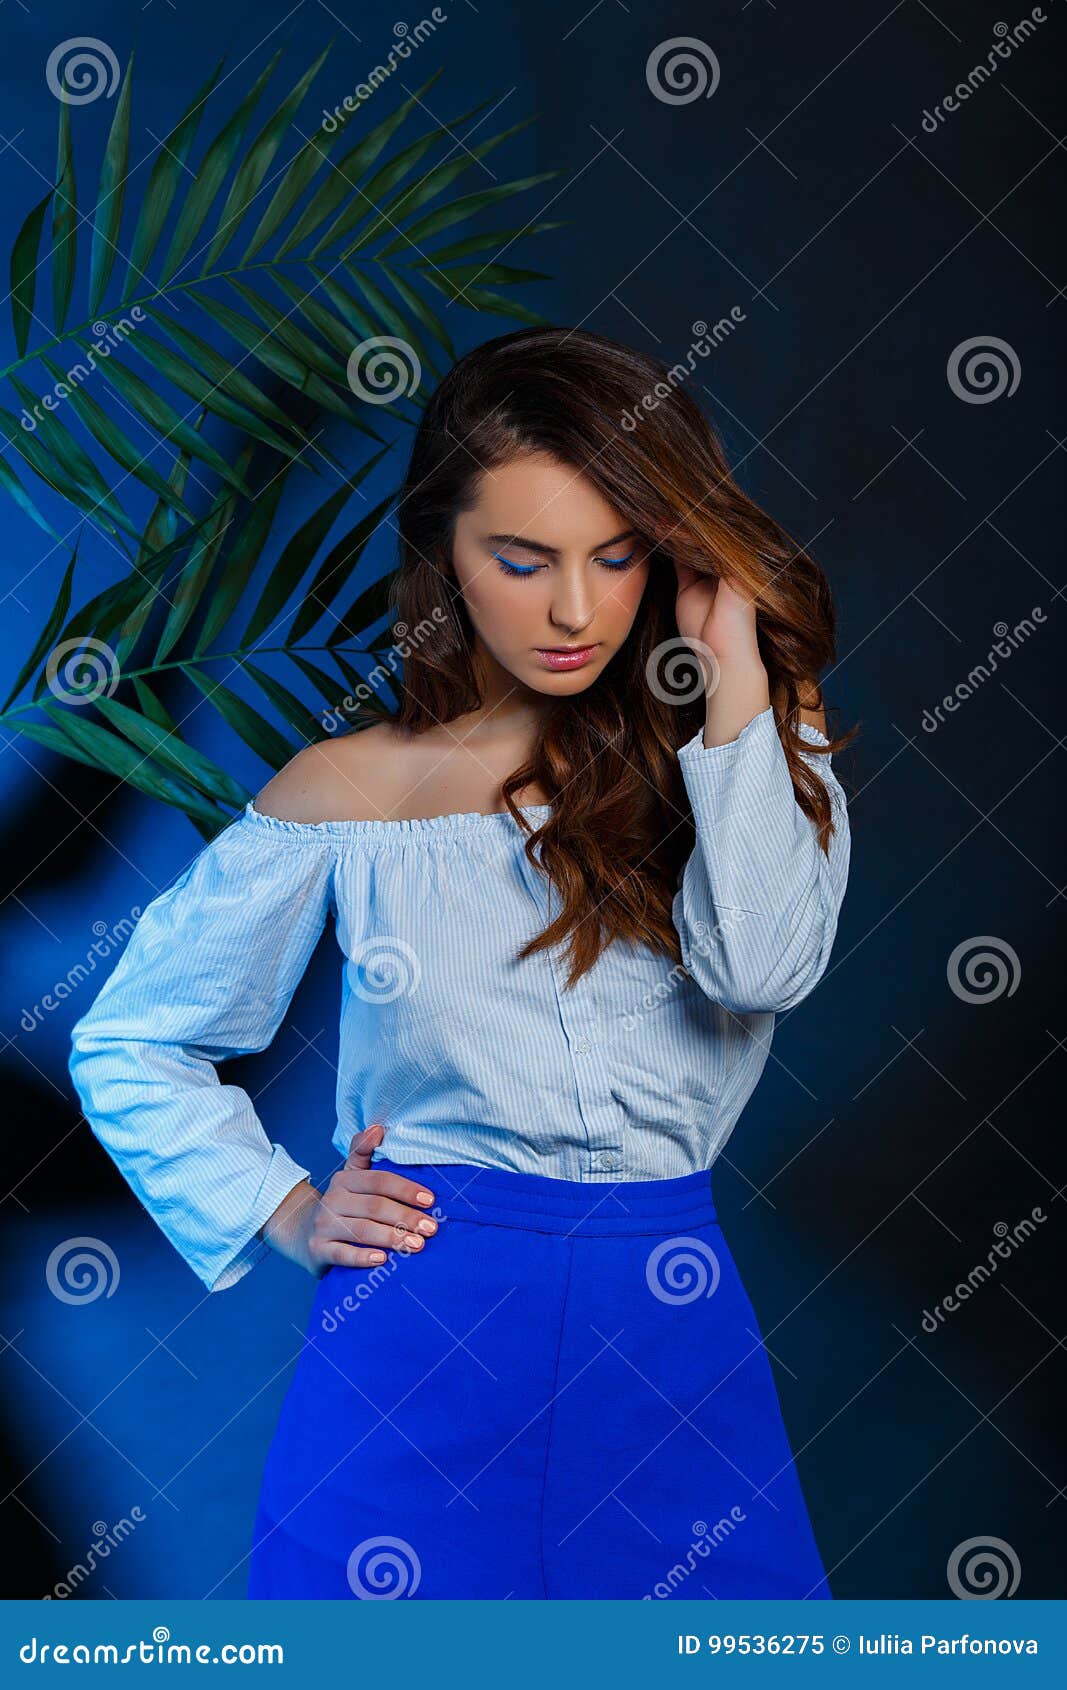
565,659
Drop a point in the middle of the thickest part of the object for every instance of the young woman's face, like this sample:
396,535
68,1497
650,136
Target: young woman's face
547,567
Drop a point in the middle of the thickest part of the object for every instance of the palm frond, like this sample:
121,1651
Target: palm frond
271,315
257,261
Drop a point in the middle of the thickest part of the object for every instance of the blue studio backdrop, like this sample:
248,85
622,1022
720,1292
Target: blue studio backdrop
860,236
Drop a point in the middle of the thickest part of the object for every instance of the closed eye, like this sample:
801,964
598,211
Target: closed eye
510,568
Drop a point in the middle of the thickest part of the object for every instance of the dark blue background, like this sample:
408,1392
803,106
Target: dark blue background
896,1125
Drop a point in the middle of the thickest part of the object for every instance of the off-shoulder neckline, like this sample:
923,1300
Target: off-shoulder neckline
454,821
347,827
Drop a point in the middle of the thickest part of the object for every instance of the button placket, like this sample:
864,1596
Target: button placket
597,1102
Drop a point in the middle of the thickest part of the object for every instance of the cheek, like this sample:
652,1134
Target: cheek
498,606
624,600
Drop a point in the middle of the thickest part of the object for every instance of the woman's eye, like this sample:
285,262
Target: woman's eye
510,568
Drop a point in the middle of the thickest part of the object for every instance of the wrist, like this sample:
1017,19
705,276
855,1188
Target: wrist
289,1228
737,700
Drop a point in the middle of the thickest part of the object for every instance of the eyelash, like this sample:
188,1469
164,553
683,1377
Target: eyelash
508,568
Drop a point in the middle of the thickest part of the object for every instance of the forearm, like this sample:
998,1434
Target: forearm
758,903
742,692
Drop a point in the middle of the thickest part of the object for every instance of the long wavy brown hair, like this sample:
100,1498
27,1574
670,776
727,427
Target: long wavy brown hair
621,826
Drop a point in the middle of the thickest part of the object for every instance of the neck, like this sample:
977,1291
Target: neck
508,707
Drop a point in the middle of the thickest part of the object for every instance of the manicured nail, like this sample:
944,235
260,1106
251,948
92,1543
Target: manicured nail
377,1256
427,1225
424,1197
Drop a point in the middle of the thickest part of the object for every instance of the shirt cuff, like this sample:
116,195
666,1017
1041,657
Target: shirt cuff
225,1267
747,773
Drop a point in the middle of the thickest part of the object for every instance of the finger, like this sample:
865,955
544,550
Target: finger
382,1235
351,1255
395,1185
372,1206
348,1201
359,1151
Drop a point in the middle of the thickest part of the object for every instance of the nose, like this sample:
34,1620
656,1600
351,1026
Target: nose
573,602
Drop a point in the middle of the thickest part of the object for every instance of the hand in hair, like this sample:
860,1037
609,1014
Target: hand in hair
719,621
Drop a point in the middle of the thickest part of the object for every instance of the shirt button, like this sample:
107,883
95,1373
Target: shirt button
609,1160
582,1045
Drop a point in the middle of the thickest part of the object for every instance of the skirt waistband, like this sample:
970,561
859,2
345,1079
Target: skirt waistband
542,1203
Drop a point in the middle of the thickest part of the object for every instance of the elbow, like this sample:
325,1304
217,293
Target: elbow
747,984
86,1043
770,996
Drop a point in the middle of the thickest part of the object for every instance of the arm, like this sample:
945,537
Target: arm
208,974
758,900
757,907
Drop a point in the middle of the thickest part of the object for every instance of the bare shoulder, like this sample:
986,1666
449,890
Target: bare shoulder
335,779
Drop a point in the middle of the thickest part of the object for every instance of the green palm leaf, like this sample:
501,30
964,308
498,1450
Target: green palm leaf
118,757
298,554
249,724
335,570
211,175
24,272
64,222
171,752
243,553
255,164
107,434
12,486
243,364
48,633
112,193
341,181
410,199
163,184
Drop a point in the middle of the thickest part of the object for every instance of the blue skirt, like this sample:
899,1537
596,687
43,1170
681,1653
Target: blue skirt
563,1394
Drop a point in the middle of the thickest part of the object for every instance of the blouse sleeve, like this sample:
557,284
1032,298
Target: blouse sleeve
758,899
208,974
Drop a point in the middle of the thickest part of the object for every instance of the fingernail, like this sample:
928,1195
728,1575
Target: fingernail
377,1256
424,1197
427,1225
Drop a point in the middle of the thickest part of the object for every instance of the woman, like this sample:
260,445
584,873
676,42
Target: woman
597,848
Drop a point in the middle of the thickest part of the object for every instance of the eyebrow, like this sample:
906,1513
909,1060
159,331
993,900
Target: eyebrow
551,551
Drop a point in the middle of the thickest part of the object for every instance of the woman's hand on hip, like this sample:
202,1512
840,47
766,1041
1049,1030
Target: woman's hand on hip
365,1211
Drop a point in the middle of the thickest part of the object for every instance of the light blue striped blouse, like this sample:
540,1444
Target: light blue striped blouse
464,1055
